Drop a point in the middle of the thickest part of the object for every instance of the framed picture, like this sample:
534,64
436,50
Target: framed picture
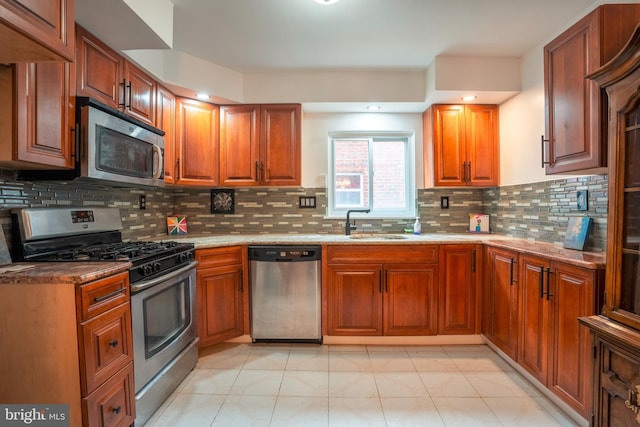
578,229
583,200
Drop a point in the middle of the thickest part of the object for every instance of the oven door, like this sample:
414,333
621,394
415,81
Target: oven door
163,320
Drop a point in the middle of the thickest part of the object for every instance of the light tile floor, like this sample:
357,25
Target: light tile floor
311,385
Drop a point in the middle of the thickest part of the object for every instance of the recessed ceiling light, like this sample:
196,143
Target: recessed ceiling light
326,1
202,96
469,98
373,107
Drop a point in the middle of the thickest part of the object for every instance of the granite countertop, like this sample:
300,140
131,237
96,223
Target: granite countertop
60,272
591,260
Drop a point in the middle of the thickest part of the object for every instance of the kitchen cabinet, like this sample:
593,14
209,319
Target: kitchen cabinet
464,140
38,119
37,31
458,296
260,145
70,344
382,290
108,77
616,332
166,120
220,295
197,143
500,301
553,346
576,119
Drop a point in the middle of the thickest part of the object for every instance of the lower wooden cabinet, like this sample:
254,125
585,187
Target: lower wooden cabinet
458,296
370,292
220,294
500,299
549,297
70,344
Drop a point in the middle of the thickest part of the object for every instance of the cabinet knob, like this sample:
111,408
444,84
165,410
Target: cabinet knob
113,343
116,410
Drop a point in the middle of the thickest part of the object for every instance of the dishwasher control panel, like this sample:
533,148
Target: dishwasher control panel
285,253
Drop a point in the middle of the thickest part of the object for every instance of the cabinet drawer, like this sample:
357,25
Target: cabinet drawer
113,403
105,346
102,295
216,257
382,253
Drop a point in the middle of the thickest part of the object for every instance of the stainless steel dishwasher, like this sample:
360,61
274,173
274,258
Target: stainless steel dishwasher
285,293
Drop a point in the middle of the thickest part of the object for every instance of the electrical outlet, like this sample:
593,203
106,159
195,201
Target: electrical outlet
444,202
143,202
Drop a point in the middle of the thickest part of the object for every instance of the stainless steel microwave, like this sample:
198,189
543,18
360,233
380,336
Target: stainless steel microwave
115,147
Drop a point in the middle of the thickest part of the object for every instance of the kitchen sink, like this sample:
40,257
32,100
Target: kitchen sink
378,236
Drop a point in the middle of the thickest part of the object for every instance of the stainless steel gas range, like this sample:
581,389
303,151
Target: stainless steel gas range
162,280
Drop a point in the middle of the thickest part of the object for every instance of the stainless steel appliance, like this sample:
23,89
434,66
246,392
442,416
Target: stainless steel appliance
118,148
162,280
285,293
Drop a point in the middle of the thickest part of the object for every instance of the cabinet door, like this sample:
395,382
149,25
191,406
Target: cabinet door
220,304
281,147
575,107
535,318
502,301
458,303
35,31
239,145
449,164
99,70
572,363
139,94
410,295
482,147
197,142
44,115
165,120
354,299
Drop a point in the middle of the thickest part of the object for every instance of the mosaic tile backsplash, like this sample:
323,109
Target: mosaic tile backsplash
538,211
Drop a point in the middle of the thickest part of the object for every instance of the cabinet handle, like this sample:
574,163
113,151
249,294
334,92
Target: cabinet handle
241,281
113,343
257,171
469,178
110,295
541,282
632,400
542,141
511,272
116,410
380,281
125,86
549,294
262,177
386,282
464,171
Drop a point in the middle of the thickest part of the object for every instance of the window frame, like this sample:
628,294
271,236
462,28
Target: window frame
409,172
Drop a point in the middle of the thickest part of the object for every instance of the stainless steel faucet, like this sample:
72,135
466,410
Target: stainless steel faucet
348,226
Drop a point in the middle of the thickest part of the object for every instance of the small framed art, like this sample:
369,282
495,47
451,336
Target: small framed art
582,200
578,230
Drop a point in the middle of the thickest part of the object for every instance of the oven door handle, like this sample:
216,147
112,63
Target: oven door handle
139,286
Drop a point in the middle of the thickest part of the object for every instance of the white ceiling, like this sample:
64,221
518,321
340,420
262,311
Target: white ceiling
258,35
253,36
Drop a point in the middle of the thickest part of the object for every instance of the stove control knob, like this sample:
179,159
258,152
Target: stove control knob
185,256
156,266
146,270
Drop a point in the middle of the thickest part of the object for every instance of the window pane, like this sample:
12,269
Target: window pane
351,178
389,175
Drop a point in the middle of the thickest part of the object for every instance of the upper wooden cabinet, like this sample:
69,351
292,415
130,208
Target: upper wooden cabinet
576,123
105,75
36,31
37,117
196,137
166,120
260,144
465,145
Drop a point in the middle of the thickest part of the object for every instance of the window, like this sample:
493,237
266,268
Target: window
372,171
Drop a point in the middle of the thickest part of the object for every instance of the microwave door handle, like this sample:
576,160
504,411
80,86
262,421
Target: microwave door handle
157,162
